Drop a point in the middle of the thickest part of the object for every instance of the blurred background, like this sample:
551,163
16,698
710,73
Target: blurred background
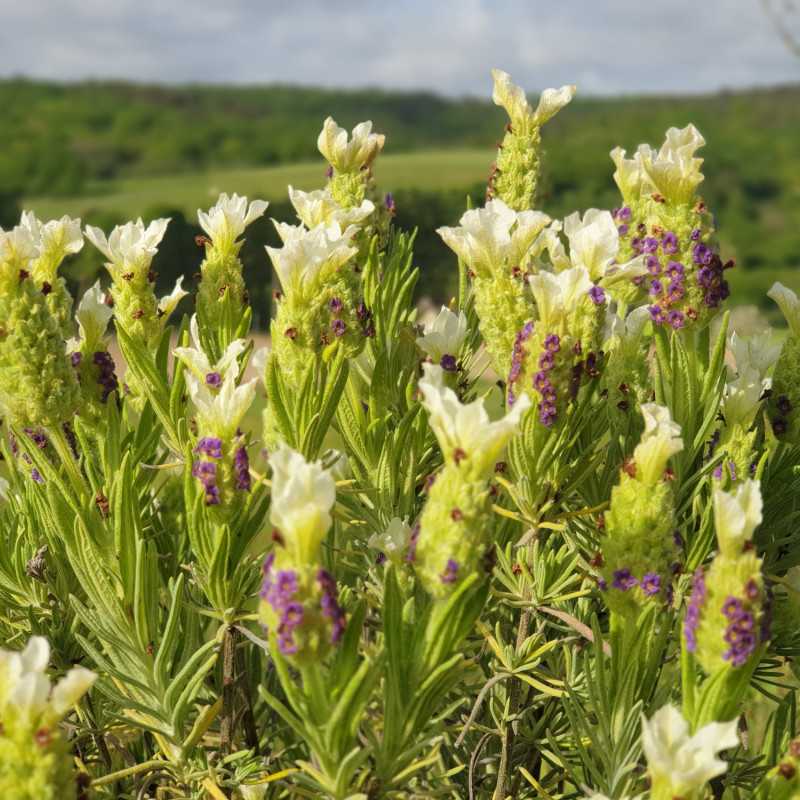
113,109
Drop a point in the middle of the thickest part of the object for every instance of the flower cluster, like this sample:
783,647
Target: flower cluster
130,250
625,375
515,173
640,551
696,600
89,351
728,614
38,387
748,384
221,465
497,245
561,350
299,598
451,541
221,293
663,221
321,301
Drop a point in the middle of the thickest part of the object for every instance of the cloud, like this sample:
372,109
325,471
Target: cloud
449,46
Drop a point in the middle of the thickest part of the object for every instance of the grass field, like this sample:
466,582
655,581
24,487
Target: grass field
426,170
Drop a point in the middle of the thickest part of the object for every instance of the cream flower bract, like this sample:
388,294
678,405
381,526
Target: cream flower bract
513,99
168,303
742,397
26,694
758,352
789,305
675,171
661,440
221,411
466,428
557,293
197,361
93,316
594,244
681,764
226,221
444,335
54,241
495,236
303,495
736,515
349,154
306,254
393,542
320,207
17,246
132,245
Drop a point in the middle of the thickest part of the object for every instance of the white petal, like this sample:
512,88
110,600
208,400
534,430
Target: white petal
36,655
788,303
737,514
168,303
509,96
552,101
71,688
256,210
98,239
93,314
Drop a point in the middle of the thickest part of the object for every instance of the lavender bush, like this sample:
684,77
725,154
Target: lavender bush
541,546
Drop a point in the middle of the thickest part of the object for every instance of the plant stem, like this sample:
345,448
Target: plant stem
228,720
145,766
248,719
510,730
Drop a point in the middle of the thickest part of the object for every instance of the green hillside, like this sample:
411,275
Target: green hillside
108,152
430,170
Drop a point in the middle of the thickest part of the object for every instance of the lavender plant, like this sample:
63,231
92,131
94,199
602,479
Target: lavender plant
541,545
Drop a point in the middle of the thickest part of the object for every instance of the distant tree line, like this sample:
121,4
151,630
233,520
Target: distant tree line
67,139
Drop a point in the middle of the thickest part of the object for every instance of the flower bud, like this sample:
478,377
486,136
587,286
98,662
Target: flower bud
54,241
625,379
782,782
89,353
785,396
350,159
221,279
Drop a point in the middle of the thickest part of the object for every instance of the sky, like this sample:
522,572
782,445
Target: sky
606,47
